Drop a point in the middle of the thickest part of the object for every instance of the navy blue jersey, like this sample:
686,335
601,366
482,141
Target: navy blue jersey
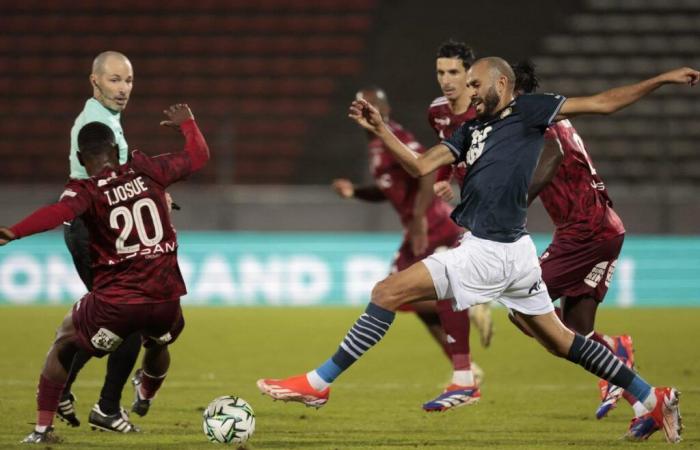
501,154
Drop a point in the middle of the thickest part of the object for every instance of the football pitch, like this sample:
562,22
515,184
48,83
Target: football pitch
529,398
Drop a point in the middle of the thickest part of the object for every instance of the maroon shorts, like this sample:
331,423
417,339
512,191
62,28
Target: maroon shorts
573,269
101,326
442,237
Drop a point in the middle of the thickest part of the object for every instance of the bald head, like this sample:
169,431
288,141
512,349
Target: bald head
112,79
109,57
377,98
498,67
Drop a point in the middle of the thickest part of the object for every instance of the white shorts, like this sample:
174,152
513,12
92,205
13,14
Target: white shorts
479,271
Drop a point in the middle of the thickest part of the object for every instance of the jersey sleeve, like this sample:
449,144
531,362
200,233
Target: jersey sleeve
459,142
74,201
539,110
169,168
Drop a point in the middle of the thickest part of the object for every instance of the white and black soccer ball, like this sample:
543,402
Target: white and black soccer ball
229,420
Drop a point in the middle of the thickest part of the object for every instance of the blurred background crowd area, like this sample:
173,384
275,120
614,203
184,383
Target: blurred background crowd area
270,81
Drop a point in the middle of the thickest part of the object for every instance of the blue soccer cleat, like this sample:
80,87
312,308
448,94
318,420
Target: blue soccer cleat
452,397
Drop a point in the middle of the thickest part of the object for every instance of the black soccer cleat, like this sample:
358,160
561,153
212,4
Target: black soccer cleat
47,437
140,405
117,422
66,411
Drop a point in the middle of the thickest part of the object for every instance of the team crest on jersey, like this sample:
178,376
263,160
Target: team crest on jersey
477,146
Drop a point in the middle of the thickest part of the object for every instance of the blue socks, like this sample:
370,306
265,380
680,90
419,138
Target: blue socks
369,329
597,359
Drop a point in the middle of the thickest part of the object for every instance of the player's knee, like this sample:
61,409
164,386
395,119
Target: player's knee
65,353
384,295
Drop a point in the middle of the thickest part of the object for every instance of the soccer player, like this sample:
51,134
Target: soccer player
137,282
496,260
427,228
112,80
445,115
578,265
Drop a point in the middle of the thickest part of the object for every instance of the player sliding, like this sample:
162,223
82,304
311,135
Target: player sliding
497,259
428,228
578,265
137,283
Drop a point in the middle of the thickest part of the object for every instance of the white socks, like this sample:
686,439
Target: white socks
316,381
463,377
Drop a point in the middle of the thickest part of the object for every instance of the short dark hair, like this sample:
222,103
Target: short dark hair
525,76
456,49
95,138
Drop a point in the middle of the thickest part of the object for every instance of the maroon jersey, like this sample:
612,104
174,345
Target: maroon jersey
576,199
445,122
133,244
396,184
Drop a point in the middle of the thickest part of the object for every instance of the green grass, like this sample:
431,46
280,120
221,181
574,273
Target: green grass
530,399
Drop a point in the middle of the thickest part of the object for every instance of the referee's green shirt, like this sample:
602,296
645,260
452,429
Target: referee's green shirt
94,111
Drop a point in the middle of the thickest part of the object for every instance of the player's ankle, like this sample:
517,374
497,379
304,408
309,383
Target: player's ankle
463,377
316,381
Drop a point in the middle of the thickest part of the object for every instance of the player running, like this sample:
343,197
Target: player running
445,115
578,265
496,260
137,282
427,228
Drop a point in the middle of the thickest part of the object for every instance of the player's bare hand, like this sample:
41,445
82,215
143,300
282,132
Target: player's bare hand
684,75
366,115
418,234
343,187
443,191
6,235
177,114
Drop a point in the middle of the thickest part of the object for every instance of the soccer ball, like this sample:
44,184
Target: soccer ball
229,420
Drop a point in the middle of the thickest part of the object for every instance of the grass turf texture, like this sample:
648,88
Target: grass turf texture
530,399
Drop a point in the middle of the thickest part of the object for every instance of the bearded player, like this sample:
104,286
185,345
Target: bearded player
445,115
427,229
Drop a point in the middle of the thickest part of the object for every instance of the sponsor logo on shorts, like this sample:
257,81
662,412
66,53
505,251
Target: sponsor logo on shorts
596,275
105,340
535,287
167,337
611,269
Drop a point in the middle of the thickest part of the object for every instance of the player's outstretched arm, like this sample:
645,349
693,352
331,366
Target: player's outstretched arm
547,167
416,164
6,235
346,189
180,117
43,219
615,99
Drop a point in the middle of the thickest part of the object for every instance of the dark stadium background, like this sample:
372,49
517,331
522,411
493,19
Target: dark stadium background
270,81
